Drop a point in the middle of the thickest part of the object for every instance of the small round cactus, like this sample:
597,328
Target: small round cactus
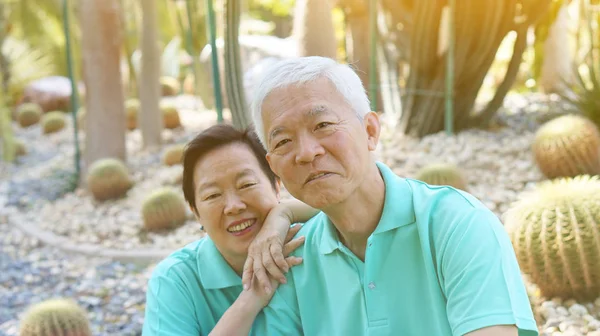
132,108
442,174
55,317
29,114
53,122
108,179
169,86
173,155
170,116
20,148
163,209
555,232
567,146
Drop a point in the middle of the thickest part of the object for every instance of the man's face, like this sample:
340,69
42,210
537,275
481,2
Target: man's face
316,144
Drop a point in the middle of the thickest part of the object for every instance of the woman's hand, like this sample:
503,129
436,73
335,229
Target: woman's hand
269,253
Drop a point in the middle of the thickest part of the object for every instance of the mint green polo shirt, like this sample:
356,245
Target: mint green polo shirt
438,263
190,290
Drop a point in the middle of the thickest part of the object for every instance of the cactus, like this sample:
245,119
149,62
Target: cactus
164,209
442,174
567,146
555,231
81,118
108,179
53,122
132,108
20,148
170,116
29,114
55,317
173,155
169,86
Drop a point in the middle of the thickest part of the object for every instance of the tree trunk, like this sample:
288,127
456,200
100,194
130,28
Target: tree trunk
234,80
149,118
313,28
558,59
105,115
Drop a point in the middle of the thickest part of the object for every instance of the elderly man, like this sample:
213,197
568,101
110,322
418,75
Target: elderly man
386,255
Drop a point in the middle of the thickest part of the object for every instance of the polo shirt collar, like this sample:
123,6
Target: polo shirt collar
214,271
398,210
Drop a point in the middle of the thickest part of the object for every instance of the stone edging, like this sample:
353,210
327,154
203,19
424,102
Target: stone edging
136,255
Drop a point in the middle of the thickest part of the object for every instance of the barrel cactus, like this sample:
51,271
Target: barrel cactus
555,231
173,155
163,209
132,108
29,114
108,179
169,86
567,146
442,174
20,148
55,317
170,116
53,122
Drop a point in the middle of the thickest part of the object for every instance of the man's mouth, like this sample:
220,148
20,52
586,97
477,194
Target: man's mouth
238,228
317,176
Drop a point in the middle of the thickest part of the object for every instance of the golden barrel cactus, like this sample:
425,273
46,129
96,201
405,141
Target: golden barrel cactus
132,108
170,116
55,317
53,122
555,231
163,209
108,179
567,146
20,148
169,86
29,114
173,155
442,174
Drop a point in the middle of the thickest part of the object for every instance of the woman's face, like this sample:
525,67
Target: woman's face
233,197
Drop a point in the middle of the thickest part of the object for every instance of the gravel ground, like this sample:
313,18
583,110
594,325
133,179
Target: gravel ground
497,162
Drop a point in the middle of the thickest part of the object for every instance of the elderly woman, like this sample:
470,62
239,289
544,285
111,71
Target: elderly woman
197,290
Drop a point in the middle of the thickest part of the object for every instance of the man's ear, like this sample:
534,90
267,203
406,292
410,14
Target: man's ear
372,126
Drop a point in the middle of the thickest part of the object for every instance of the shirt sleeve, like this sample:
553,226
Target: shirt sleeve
169,310
480,276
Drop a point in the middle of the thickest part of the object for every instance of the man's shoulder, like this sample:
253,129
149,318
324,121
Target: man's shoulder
312,231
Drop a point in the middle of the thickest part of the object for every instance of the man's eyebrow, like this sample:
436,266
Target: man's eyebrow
315,111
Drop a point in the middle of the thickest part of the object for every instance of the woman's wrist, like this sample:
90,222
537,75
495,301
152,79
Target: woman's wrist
249,304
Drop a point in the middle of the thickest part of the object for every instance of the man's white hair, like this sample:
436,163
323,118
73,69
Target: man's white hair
302,70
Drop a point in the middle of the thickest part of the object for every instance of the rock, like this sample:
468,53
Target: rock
51,93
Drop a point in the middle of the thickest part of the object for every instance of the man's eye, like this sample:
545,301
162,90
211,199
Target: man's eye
281,143
247,185
322,124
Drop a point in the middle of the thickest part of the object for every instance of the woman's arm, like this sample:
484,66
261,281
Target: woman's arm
238,319
266,254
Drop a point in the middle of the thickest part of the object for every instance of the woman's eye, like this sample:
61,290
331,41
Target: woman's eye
211,196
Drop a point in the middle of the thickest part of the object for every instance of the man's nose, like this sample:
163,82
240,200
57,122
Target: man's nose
308,149
234,204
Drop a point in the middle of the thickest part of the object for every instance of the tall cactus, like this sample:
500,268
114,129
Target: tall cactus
234,80
313,28
480,28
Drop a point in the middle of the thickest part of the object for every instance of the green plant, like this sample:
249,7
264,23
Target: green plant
173,155
108,179
170,116
554,231
55,317
29,114
53,122
567,146
442,174
163,209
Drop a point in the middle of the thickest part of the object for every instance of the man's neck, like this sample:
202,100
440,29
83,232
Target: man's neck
356,218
